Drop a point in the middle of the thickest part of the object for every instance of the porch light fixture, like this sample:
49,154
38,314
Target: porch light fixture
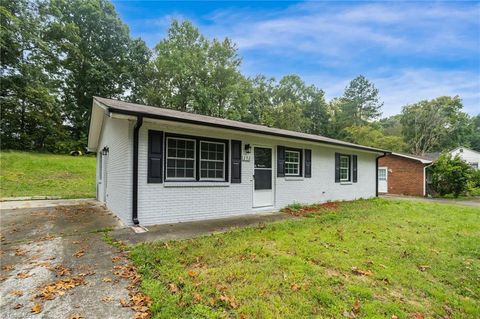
248,148
105,151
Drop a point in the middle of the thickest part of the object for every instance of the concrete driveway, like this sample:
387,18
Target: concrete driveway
473,202
54,263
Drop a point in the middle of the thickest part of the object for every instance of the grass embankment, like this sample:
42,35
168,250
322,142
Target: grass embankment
364,259
36,174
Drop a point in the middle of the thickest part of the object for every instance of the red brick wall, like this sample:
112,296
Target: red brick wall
405,176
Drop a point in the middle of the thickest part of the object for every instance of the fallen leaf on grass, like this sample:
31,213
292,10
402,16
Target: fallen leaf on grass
295,287
394,317
416,315
76,316
229,301
356,307
192,274
423,267
124,302
79,253
36,308
106,279
360,272
197,297
23,275
140,303
173,288
17,306
141,315
107,298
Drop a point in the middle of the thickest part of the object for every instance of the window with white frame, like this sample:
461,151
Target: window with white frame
344,168
382,174
180,158
292,163
212,160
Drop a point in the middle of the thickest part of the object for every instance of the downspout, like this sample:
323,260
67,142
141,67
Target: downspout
376,173
136,129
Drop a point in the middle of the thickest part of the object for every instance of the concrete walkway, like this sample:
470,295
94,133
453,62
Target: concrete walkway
195,229
475,202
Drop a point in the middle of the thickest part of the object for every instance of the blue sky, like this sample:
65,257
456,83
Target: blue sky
410,50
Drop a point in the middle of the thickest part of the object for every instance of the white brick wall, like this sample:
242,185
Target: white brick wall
167,203
117,136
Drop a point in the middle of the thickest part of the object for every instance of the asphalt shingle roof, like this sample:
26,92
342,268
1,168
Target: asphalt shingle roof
128,108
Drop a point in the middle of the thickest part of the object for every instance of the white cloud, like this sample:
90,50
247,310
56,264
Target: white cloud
335,29
407,86
410,50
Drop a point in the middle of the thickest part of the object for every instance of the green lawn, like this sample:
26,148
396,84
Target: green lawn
412,259
34,174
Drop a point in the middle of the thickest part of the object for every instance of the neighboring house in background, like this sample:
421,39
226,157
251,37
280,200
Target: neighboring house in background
405,174
470,156
157,165
402,174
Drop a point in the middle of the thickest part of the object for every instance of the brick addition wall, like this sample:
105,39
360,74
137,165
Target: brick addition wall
405,176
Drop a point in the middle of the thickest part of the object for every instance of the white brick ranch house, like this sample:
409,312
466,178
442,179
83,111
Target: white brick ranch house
157,165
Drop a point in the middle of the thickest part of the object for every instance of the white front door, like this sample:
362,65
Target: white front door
262,177
382,180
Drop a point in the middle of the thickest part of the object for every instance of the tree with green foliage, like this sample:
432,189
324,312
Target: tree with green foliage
299,107
260,104
371,136
474,138
192,74
30,114
392,125
450,175
360,102
93,54
434,125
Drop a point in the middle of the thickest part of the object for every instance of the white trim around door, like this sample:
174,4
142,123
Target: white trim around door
383,179
263,173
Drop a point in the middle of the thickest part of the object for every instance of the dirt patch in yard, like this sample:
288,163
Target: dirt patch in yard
311,209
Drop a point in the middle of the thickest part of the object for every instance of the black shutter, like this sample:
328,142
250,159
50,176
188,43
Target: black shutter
354,162
337,168
155,156
308,163
280,161
236,174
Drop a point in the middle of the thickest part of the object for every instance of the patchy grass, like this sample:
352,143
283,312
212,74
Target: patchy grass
35,174
375,259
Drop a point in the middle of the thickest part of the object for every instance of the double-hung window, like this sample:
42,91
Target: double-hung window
212,160
344,168
181,158
191,159
292,163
